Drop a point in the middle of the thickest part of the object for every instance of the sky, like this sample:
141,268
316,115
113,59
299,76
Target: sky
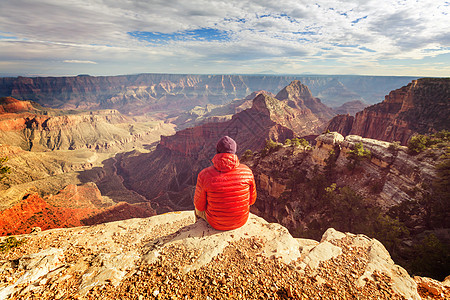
114,37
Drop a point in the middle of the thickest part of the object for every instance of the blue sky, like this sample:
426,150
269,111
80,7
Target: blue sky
111,37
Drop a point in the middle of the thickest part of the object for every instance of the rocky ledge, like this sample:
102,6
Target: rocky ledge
171,256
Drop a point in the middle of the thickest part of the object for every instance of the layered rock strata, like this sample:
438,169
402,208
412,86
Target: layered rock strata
423,106
143,93
105,130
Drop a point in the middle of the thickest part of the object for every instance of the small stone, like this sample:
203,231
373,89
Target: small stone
290,292
431,289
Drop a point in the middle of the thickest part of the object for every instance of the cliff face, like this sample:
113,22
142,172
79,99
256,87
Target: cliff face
342,124
143,93
170,255
422,106
388,179
41,172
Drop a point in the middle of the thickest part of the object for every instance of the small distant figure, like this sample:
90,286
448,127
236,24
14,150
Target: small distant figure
225,191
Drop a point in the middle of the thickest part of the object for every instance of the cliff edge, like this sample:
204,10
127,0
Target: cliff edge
171,256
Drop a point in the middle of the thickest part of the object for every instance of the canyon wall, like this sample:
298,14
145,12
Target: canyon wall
389,178
423,106
143,93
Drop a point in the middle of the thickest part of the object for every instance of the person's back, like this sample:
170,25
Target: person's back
225,191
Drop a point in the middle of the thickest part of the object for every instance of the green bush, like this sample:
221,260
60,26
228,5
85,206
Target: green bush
296,142
4,170
394,146
442,136
418,143
357,155
10,243
270,147
248,154
389,231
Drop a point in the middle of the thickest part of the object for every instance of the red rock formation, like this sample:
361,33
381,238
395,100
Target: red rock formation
13,113
11,105
422,106
297,95
342,124
73,206
34,211
294,111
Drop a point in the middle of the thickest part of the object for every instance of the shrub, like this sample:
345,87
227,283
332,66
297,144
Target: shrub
357,155
4,170
442,136
418,143
248,154
271,147
10,243
394,146
389,231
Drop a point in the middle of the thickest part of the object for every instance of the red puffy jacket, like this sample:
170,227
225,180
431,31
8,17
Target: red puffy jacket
225,191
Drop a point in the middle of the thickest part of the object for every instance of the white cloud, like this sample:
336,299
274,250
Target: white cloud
75,61
261,32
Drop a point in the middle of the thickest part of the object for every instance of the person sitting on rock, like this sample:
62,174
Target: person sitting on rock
225,191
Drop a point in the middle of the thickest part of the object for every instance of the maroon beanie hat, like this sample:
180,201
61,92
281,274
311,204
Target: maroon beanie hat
226,145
